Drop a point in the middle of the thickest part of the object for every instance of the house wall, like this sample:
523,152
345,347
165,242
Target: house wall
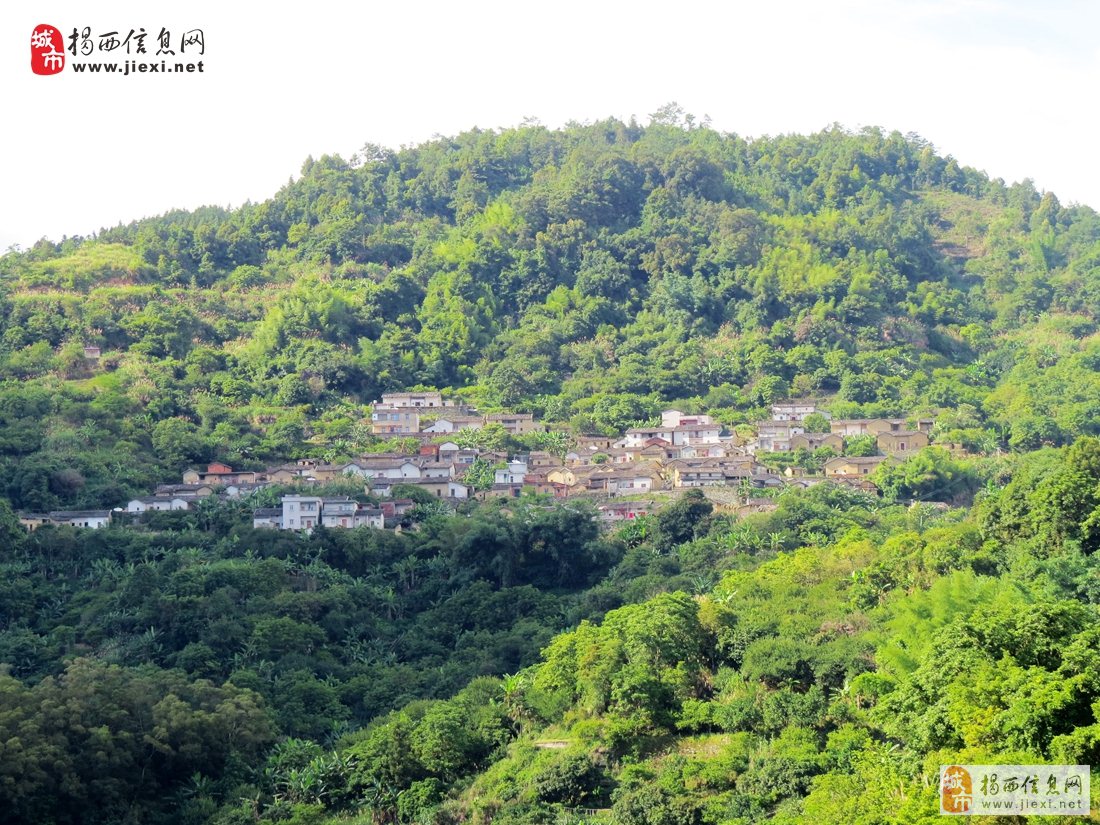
301,512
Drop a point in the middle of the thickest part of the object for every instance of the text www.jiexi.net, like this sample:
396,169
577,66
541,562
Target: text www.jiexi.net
129,67
1023,805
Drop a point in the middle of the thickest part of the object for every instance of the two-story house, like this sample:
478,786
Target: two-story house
866,426
301,512
813,441
515,423
513,473
388,420
795,410
415,400
670,419
775,436
901,441
852,467
680,435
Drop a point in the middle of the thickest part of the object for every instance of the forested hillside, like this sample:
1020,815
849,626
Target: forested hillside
589,275
817,663
512,662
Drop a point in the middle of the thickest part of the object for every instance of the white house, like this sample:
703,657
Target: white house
454,423
395,471
268,517
338,512
91,519
301,512
142,505
308,512
241,490
680,435
775,436
616,511
343,512
795,410
456,489
437,469
710,451
415,399
355,468
633,480
380,487
512,474
674,418
370,517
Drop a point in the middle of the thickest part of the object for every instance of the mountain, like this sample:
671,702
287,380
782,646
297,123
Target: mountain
512,663
589,275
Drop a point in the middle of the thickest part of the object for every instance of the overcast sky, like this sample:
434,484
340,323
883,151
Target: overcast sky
1007,86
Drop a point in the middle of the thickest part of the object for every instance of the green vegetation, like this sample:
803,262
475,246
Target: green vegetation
819,661
589,275
815,662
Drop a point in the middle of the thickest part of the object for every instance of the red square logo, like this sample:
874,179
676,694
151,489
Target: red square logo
47,50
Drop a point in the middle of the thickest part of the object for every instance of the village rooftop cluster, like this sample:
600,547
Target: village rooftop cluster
683,451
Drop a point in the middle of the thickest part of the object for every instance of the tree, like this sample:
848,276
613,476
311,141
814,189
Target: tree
492,437
683,520
860,445
444,742
929,475
429,509
178,442
1065,504
555,442
479,474
816,423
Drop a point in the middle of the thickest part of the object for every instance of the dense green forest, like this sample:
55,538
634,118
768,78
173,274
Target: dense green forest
513,663
818,662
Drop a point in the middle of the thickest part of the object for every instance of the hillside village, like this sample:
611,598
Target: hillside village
651,534
683,451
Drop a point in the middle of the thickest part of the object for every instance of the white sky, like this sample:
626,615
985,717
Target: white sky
1008,86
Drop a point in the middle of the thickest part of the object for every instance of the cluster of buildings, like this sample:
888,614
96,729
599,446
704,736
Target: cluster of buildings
683,451
400,413
786,432
894,440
